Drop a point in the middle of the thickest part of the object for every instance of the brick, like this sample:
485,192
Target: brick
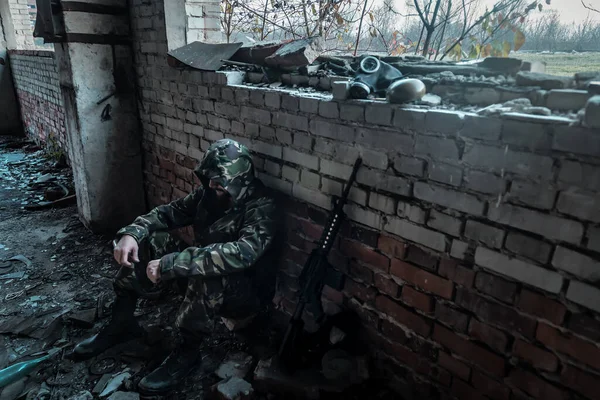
349,112
335,169
358,196
536,387
593,236
445,223
290,121
363,216
381,181
456,367
582,351
442,121
410,119
296,157
481,128
542,307
580,204
300,140
310,180
411,212
585,295
272,99
584,326
585,176
533,136
386,285
539,196
537,357
311,196
456,273
489,235
469,350
495,313
499,159
422,258
391,246
368,237
436,148
365,254
576,263
381,139
580,381
576,140
459,249
448,198
529,247
410,166
329,109
309,105
489,387
417,299
485,183
332,131
364,293
519,270
290,173
373,159
379,114
382,203
445,173
422,279
403,316
493,337
289,102
496,287
415,233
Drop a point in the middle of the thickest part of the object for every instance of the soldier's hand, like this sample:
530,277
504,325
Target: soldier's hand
153,271
126,251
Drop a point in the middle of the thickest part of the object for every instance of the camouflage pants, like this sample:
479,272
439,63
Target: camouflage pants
205,300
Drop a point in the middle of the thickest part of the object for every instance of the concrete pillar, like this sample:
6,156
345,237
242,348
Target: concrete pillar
10,121
17,25
103,132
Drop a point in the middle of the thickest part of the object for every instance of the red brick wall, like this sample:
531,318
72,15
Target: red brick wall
38,91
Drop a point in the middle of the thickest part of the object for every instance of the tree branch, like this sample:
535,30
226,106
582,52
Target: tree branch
589,7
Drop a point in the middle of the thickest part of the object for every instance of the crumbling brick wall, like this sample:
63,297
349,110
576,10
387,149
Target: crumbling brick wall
36,82
473,247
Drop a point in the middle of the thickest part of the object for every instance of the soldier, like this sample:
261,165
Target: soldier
230,266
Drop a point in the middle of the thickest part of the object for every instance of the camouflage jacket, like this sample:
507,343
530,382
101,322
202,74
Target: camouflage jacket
225,241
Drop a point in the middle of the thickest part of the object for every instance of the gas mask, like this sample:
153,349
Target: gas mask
373,76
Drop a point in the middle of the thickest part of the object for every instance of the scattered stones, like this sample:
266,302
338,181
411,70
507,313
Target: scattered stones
544,81
592,112
237,364
234,388
84,318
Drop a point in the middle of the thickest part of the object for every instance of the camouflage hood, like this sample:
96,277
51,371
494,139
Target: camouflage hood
228,163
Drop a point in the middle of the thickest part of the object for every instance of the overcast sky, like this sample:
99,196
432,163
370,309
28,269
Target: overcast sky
569,10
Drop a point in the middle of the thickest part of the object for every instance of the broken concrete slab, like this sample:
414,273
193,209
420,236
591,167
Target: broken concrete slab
567,99
115,383
544,81
101,384
534,66
234,388
257,52
295,54
84,318
124,396
236,364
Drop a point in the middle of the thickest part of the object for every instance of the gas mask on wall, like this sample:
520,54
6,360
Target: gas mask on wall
373,76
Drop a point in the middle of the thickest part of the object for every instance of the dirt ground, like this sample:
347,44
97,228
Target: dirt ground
59,291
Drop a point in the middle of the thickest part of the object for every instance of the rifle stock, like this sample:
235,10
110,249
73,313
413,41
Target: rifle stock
315,274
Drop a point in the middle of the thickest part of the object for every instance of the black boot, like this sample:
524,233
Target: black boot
122,328
173,369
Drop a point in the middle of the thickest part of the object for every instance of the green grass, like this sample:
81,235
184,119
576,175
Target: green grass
565,64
